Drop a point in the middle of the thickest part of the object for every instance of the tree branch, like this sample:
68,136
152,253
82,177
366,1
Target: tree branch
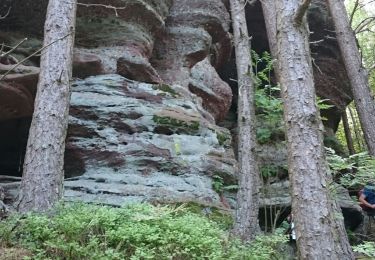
5,15
114,8
12,49
364,23
31,55
300,13
354,11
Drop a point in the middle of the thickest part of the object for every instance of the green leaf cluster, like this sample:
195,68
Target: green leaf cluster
354,171
140,231
269,105
219,186
367,248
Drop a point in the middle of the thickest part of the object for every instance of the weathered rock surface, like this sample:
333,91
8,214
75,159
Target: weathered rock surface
17,91
134,141
122,39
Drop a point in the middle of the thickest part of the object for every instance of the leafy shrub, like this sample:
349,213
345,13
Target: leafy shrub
367,248
269,105
353,171
141,231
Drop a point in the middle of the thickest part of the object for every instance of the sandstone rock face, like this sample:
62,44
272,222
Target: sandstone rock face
122,37
331,80
143,127
134,141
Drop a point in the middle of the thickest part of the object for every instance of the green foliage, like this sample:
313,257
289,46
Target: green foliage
269,170
264,247
323,105
219,186
222,138
367,248
166,88
181,126
142,231
269,106
353,171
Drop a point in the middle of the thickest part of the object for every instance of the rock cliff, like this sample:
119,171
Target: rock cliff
152,85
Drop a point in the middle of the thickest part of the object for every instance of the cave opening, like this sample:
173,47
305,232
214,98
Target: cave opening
13,140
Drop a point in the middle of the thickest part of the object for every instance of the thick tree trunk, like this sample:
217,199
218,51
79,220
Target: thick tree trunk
42,181
348,133
358,75
319,229
246,224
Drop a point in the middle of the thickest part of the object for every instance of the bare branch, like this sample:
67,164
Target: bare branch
317,42
12,49
364,23
355,8
31,55
114,8
5,15
300,13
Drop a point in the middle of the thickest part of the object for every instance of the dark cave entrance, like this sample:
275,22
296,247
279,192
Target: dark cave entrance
13,140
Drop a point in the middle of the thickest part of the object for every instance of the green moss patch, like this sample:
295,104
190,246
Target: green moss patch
166,88
177,125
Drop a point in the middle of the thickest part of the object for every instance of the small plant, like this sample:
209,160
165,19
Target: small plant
269,106
367,249
354,171
219,186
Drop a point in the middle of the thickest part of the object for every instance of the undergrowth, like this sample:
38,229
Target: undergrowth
141,231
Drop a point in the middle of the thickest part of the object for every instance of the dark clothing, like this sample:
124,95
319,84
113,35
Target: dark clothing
369,194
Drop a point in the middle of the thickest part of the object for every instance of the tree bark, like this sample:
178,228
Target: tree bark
42,181
348,134
269,13
357,74
357,130
246,224
319,228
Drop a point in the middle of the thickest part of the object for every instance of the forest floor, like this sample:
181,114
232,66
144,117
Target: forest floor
14,253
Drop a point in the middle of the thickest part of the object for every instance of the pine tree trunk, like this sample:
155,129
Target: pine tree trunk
357,130
269,14
358,75
320,230
246,224
348,134
42,181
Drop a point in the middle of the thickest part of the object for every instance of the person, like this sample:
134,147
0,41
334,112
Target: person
367,199
291,230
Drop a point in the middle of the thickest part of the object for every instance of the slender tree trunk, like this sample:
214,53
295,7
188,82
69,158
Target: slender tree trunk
247,224
358,75
269,13
357,130
348,134
42,182
320,230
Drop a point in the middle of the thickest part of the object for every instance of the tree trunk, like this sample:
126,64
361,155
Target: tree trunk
357,130
320,230
348,134
269,13
246,224
42,181
358,75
